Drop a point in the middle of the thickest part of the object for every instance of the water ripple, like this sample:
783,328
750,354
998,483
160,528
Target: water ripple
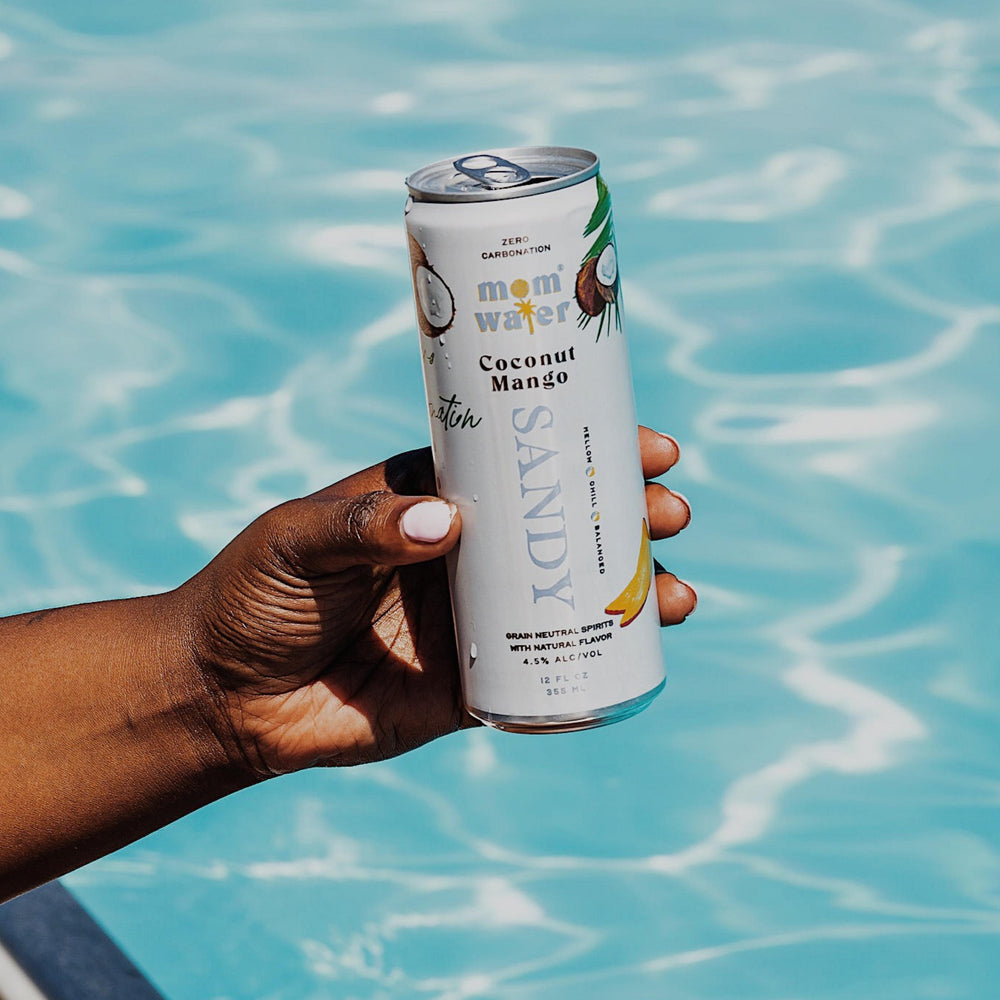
204,309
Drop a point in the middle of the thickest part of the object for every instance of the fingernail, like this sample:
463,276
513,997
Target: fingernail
427,521
687,503
694,594
671,439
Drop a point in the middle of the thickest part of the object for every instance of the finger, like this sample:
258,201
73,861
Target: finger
659,452
324,533
410,473
676,598
669,511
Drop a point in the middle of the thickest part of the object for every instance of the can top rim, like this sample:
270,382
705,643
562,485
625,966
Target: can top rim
500,174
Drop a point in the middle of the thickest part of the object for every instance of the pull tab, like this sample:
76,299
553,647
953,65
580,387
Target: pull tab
493,171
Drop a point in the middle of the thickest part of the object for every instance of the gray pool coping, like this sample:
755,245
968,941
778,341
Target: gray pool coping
51,948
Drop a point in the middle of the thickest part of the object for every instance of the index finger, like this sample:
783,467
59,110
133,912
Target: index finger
412,472
659,452
409,474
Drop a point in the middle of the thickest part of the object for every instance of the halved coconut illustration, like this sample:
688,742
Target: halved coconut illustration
606,273
435,303
598,289
588,294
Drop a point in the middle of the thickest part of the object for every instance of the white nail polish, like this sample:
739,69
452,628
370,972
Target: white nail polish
428,521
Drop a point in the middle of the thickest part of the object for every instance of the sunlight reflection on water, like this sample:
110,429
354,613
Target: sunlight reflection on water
204,308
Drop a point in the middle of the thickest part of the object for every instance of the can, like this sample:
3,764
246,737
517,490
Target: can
533,431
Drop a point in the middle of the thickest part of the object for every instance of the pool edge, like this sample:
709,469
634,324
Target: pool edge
64,952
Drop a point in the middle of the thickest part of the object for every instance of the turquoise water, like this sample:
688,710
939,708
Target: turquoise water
204,309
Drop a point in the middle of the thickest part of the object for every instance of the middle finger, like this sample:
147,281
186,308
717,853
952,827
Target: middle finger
669,511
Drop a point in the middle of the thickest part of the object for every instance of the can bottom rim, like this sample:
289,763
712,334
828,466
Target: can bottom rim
570,722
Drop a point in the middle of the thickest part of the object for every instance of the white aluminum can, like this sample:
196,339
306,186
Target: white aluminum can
533,430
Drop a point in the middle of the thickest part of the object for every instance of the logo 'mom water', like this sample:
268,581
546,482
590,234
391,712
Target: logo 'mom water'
525,312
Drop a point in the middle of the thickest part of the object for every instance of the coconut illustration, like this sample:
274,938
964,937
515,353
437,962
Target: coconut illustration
598,290
606,273
588,294
435,303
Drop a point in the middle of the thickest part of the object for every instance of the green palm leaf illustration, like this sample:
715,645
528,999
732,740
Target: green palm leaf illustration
601,209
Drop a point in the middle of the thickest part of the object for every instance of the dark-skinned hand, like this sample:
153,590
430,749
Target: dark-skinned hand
324,631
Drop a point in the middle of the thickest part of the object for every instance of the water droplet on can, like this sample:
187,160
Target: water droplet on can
475,498
473,651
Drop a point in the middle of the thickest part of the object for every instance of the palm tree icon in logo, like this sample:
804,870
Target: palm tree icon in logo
519,288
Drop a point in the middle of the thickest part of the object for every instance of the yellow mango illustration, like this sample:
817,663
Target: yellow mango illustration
631,600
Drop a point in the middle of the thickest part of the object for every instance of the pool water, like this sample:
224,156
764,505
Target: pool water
205,309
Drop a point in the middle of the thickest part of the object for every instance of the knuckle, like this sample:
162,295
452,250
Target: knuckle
361,517
275,524
279,527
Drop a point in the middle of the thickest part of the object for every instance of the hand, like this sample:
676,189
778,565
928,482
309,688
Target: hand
324,631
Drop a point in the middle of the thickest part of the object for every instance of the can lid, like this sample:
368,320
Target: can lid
498,174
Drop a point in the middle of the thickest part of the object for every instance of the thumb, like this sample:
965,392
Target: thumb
328,533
